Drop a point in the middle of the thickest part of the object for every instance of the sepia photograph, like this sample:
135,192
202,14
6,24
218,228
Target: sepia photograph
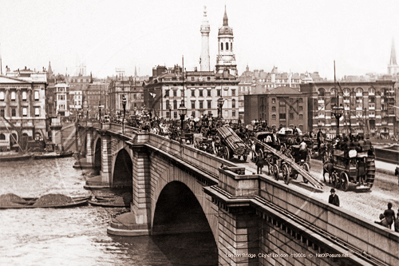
187,132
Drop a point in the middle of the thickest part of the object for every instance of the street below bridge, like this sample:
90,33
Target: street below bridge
368,205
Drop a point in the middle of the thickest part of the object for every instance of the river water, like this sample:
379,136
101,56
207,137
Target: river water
78,236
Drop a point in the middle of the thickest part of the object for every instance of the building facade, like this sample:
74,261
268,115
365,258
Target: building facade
282,106
22,106
62,92
199,92
129,87
368,107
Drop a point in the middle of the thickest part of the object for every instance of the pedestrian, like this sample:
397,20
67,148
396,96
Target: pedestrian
397,173
389,215
259,163
396,224
333,199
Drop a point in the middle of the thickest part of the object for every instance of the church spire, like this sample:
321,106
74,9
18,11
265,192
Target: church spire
225,19
392,61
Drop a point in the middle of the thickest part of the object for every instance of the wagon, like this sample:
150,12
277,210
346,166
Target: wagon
353,167
231,145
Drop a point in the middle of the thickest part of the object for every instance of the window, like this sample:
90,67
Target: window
24,96
227,46
192,104
300,108
175,93
233,92
291,116
2,136
24,111
2,113
13,96
174,104
13,112
371,100
193,113
167,115
192,93
1,95
201,104
36,95
209,104
233,103
201,93
221,46
233,113
61,97
209,93
282,110
273,117
166,93
273,108
174,114
372,124
167,105
301,117
219,93
273,100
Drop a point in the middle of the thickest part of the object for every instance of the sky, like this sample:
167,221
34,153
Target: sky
297,36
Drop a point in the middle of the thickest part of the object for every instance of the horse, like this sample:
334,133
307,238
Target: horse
328,167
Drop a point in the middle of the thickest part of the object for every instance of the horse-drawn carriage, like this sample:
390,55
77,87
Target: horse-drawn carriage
351,166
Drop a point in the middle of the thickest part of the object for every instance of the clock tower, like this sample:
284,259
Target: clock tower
226,59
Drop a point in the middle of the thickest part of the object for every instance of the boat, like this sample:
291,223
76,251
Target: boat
29,206
52,155
15,157
109,203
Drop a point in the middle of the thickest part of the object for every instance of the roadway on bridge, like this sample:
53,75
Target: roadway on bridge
368,205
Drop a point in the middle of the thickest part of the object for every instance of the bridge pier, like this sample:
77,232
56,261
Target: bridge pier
89,151
105,172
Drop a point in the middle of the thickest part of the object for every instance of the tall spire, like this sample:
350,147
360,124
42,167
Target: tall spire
392,61
135,71
205,29
225,19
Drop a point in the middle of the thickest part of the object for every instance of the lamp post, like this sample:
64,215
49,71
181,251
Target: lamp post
99,115
338,111
182,112
124,113
220,105
85,107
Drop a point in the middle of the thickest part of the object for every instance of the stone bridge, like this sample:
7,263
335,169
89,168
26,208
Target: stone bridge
253,219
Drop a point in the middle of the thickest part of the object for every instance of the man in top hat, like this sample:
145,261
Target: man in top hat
333,199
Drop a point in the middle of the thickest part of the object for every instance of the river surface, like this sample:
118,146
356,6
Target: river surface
78,236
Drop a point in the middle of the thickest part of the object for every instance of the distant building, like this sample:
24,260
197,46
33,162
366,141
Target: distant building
164,94
62,91
260,82
366,104
95,95
129,87
22,105
283,106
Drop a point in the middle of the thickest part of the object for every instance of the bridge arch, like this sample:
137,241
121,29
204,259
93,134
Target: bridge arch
97,153
178,211
122,169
